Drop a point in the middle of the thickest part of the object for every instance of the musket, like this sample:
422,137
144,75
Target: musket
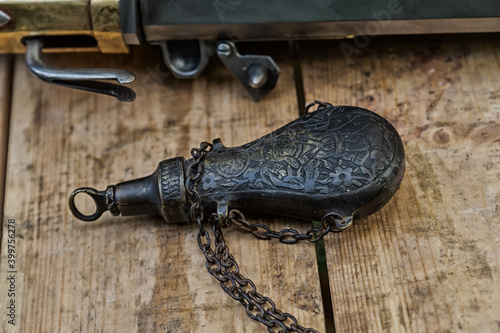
190,32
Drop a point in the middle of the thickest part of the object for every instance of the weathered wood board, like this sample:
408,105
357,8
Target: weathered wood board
5,85
135,274
430,260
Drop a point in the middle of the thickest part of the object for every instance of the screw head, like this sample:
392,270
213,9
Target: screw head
224,50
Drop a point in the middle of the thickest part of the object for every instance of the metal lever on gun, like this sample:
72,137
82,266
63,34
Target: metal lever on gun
79,78
257,73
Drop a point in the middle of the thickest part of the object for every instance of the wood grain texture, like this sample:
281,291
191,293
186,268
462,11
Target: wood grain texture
5,91
136,274
429,261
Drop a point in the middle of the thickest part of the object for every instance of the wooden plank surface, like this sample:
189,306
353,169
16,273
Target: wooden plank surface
136,274
429,261
5,91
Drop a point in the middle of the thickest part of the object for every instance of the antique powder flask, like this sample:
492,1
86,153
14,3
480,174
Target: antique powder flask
335,164
341,159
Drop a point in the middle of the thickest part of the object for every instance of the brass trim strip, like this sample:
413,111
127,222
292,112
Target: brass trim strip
96,18
105,16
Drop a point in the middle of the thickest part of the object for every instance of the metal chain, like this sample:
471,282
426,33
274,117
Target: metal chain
331,222
221,264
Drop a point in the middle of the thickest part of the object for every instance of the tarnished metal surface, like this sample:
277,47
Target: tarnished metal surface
258,74
42,17
345,160
4,18
339,159
106,26
99,19
283,19
333,164
79,78
221,264
187,30
172,12
320,30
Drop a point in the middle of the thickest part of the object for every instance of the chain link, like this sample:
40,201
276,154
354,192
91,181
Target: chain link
331,222
221,264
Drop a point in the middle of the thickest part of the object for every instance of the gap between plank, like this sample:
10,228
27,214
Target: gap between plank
294,51
324,281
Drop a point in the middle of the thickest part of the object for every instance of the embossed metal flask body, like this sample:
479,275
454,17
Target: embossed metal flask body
344,160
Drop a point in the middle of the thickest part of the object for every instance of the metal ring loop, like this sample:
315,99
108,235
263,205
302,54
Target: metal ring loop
99,198
340,222
320,104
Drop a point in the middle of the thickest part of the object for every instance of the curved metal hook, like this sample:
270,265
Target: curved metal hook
81,78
